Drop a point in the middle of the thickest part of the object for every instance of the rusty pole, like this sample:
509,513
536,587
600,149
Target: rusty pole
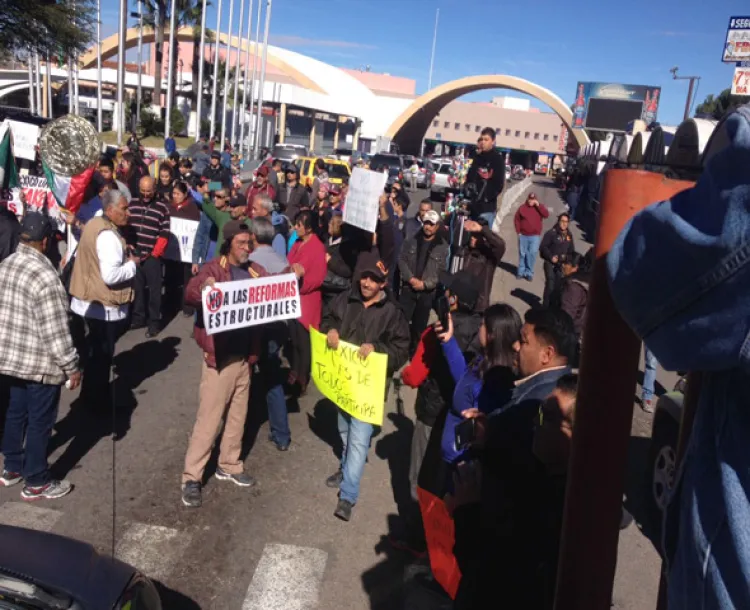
604,410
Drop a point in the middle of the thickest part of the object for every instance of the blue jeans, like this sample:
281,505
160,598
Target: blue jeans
273,382
528,248
649,374
572,200
355,436
32,411
489,217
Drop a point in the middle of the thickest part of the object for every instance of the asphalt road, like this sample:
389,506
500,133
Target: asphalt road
279,545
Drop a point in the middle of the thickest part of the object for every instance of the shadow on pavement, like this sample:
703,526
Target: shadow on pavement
638,489
85,425
509,267
395,447
323,422
527,297
173,600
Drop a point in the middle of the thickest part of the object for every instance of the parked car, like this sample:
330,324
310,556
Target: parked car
289,153
343,154
381,160
442,179
338,171
48,572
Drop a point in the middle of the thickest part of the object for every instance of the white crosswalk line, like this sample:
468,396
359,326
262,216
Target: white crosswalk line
22,514
288,577
153,549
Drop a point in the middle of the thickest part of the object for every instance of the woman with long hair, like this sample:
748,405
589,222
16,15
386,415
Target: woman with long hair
485,383
129,173
164,184
176,272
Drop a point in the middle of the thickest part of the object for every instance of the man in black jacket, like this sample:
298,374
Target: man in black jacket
215,172
292,196
556,247
487,175
366,317
485,251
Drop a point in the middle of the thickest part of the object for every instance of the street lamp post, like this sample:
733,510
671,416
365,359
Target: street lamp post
120,71
253,96
217,45
691,87
227,61
170,72
199,103
32,88
259,128
244,85
140,63
98,66
233,135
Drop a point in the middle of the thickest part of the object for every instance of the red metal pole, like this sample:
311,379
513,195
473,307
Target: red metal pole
604,409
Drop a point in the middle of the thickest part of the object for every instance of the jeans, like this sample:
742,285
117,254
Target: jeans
572,200
100,350
355,437
32,412
273,383
649,374
528,248
148,279
489,217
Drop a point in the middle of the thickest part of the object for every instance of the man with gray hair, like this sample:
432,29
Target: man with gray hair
265,260
102,290
263,207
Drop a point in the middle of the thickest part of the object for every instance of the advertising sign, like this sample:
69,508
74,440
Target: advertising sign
737,43
611,106
741,81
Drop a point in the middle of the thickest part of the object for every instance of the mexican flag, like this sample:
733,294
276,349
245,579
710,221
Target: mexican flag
69,191
8,171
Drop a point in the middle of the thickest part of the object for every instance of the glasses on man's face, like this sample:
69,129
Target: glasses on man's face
217,196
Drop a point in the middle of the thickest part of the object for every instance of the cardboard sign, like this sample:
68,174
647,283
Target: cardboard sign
243,303
25,138
181,238
356,386
362,201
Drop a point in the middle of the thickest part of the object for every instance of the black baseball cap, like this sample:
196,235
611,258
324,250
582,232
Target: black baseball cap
35,227
216,155
369,263
463,286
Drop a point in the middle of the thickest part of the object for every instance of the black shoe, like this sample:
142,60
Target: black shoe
137,325
334,481
191,494
152,332
343,510
279,446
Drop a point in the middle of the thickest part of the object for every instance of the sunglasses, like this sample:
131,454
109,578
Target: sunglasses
220,196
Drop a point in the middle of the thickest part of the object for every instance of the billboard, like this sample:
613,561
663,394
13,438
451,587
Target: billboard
741,81
611,106
737,43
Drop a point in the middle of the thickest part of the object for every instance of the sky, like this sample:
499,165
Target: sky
554,45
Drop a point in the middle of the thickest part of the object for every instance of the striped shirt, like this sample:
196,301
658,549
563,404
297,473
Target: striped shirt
148,222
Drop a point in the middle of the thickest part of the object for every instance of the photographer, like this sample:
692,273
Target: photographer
486,177
556,247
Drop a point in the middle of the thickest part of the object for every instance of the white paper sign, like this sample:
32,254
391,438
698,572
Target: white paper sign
181,239
232,305
365,189
25,137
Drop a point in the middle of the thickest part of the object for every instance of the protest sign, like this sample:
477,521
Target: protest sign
37,195
181,237
362,200
25,138
357,386
242,303
440,535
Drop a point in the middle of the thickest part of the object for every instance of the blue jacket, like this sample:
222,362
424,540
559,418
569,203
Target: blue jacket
472,391
680,276
170,146
204,245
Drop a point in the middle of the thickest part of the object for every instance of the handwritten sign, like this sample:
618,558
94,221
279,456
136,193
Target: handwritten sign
243,303
25,138
355,385
37,195
181,238
365,189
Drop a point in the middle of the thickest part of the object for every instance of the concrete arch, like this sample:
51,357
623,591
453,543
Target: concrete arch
409,128
185,34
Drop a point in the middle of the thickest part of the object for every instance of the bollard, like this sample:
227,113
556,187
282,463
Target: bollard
604,410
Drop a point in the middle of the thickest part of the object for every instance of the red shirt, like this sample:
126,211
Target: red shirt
529,218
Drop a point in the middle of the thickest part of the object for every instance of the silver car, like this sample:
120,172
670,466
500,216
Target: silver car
441,179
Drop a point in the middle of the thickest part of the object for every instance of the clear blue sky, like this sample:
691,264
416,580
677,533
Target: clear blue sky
552,44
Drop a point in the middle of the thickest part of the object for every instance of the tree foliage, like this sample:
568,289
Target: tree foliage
718,106
47,26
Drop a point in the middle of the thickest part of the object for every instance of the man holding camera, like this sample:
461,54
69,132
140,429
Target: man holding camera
486,177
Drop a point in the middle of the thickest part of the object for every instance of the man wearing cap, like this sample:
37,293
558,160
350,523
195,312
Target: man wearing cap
260,185
528,222
36,357
366,317
225,378
422,258
102,290
292,196
216,173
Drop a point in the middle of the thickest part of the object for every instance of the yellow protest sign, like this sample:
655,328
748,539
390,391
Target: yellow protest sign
356,386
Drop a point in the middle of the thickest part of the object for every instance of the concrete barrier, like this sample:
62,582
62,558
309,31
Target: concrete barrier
509,197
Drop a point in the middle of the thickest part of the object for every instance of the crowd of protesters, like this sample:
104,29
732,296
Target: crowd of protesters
496,391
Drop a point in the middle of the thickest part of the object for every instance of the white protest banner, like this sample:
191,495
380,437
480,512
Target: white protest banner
25,137
365,189
182,235
242,303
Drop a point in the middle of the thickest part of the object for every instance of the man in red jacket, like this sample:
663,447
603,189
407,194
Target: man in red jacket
528,223
225,377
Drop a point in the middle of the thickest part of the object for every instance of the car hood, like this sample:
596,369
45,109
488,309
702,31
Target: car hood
63,564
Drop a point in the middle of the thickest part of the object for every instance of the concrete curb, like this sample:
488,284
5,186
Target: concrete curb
509,198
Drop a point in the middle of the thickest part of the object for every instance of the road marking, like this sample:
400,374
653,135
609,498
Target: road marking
21,514
288,577
153,549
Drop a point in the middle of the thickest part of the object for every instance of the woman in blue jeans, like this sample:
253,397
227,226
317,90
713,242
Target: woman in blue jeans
649,380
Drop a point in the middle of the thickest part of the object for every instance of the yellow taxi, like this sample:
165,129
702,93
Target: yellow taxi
337,170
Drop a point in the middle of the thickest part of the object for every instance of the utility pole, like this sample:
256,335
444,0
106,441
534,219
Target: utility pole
691,88
233,135
432,57
227,61
244,86
217,46
38,72
120,71
253,96
170,72
259,129
98,66
140,63
32,88
199,103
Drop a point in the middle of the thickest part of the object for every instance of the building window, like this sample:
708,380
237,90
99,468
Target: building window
498,131
546,137
435,123
518,133
507,132
477,129
526,134
467,127
554,138
446,125
456,125
536,136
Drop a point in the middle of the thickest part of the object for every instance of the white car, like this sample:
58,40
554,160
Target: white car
442,178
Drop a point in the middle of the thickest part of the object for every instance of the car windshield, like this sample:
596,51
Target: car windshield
379,161
445,168
336,170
